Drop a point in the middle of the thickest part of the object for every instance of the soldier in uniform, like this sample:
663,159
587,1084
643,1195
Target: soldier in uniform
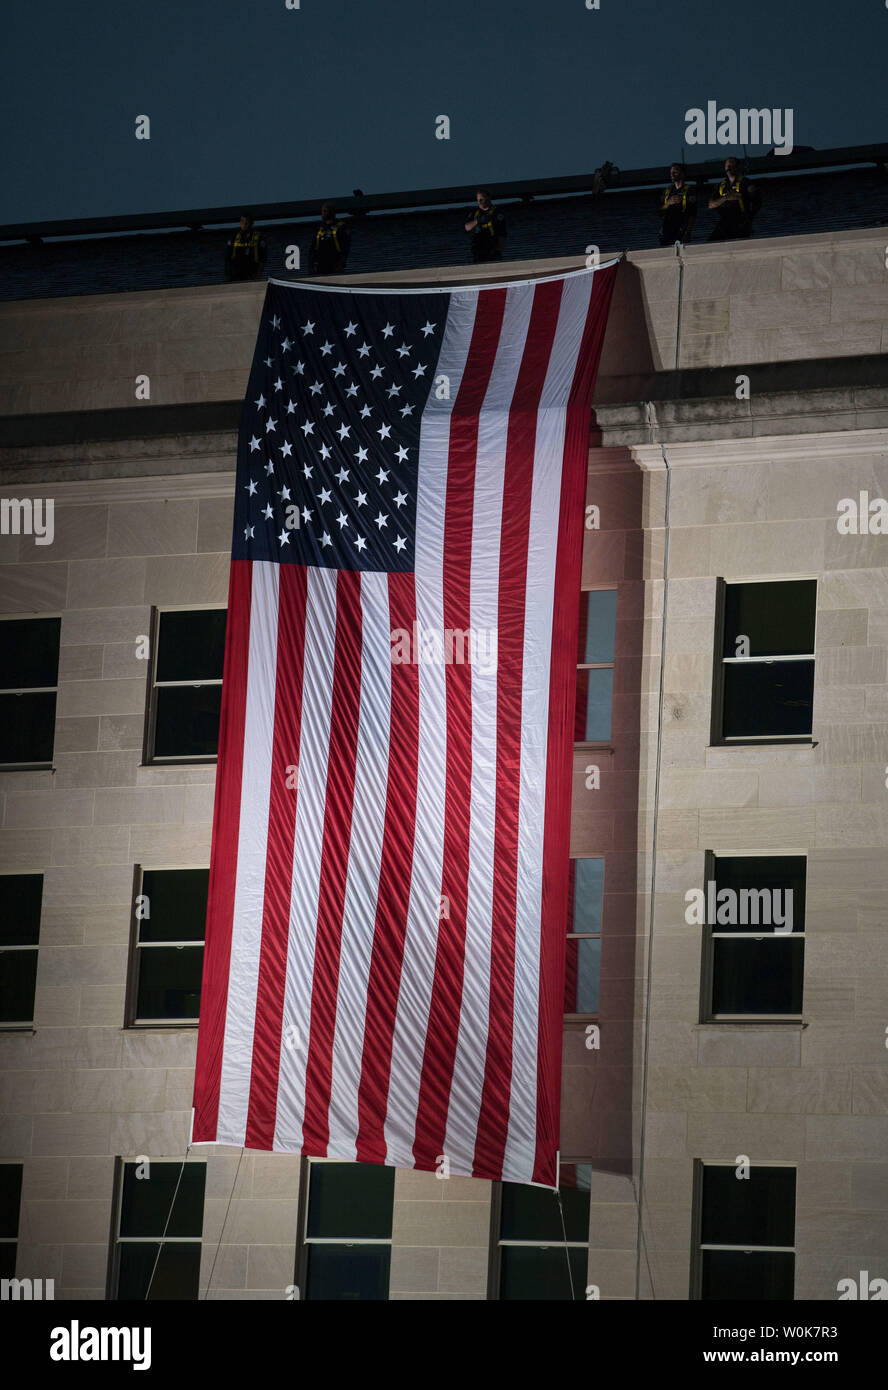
488,229
245,254
330,244
678,208
736,201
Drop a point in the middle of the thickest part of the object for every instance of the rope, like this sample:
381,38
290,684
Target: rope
224,1223
570,1277
167,1223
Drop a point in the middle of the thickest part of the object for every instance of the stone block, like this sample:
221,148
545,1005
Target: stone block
171,845
750,1045
800,1091
214,524
188,579
62,808
441,1223
666,1135
69,1222
72,1134
252,1221
862,1138
45,1178
414,1269
107,621
153,528
694,1088
766,1138
79,533
140,806
463,1271
870,1091
85,1266
90,1177
80,663
101,697
157,1133
76,735
869,1186
613,1226
854,826
226,1265
750,828
121,731
270,1267
103,584
34,588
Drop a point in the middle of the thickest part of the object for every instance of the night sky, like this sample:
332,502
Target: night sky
252,102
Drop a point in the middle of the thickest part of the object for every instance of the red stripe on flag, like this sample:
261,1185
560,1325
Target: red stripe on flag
338,809
562,696
446,999
223,858
493,1120
393,897
283,793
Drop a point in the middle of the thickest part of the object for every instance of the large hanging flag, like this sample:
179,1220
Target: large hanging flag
384,964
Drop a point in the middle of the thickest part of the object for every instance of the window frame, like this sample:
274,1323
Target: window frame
304,1241
717,736
695,1293
497,1243
131,1018
600,666
36,765
589,936
25,1025
14,1240
117,1240
149,757
707,966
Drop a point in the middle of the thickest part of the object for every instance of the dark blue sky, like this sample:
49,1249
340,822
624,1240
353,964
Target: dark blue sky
252,102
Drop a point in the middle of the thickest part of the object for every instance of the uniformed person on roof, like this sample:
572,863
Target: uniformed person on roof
736,201
330,244
245,253
488,228
678,208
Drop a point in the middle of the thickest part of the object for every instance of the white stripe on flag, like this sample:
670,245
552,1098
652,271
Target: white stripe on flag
421,935
542,550
249,892
314,742
469,1063
364,862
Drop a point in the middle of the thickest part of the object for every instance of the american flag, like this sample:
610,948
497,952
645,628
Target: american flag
384,966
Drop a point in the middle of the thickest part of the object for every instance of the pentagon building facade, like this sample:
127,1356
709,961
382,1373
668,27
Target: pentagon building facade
725,1083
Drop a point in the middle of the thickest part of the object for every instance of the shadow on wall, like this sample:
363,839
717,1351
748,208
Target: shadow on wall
597,1091
629,352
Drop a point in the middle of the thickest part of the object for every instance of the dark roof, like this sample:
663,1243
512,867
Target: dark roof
619,220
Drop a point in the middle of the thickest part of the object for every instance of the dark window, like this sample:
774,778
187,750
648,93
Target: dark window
186,694
595,665
765,677
29,670
583,956
168,938
348,1231
10,1205
538,1257
21,896
747,1232
159,1227
754,936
